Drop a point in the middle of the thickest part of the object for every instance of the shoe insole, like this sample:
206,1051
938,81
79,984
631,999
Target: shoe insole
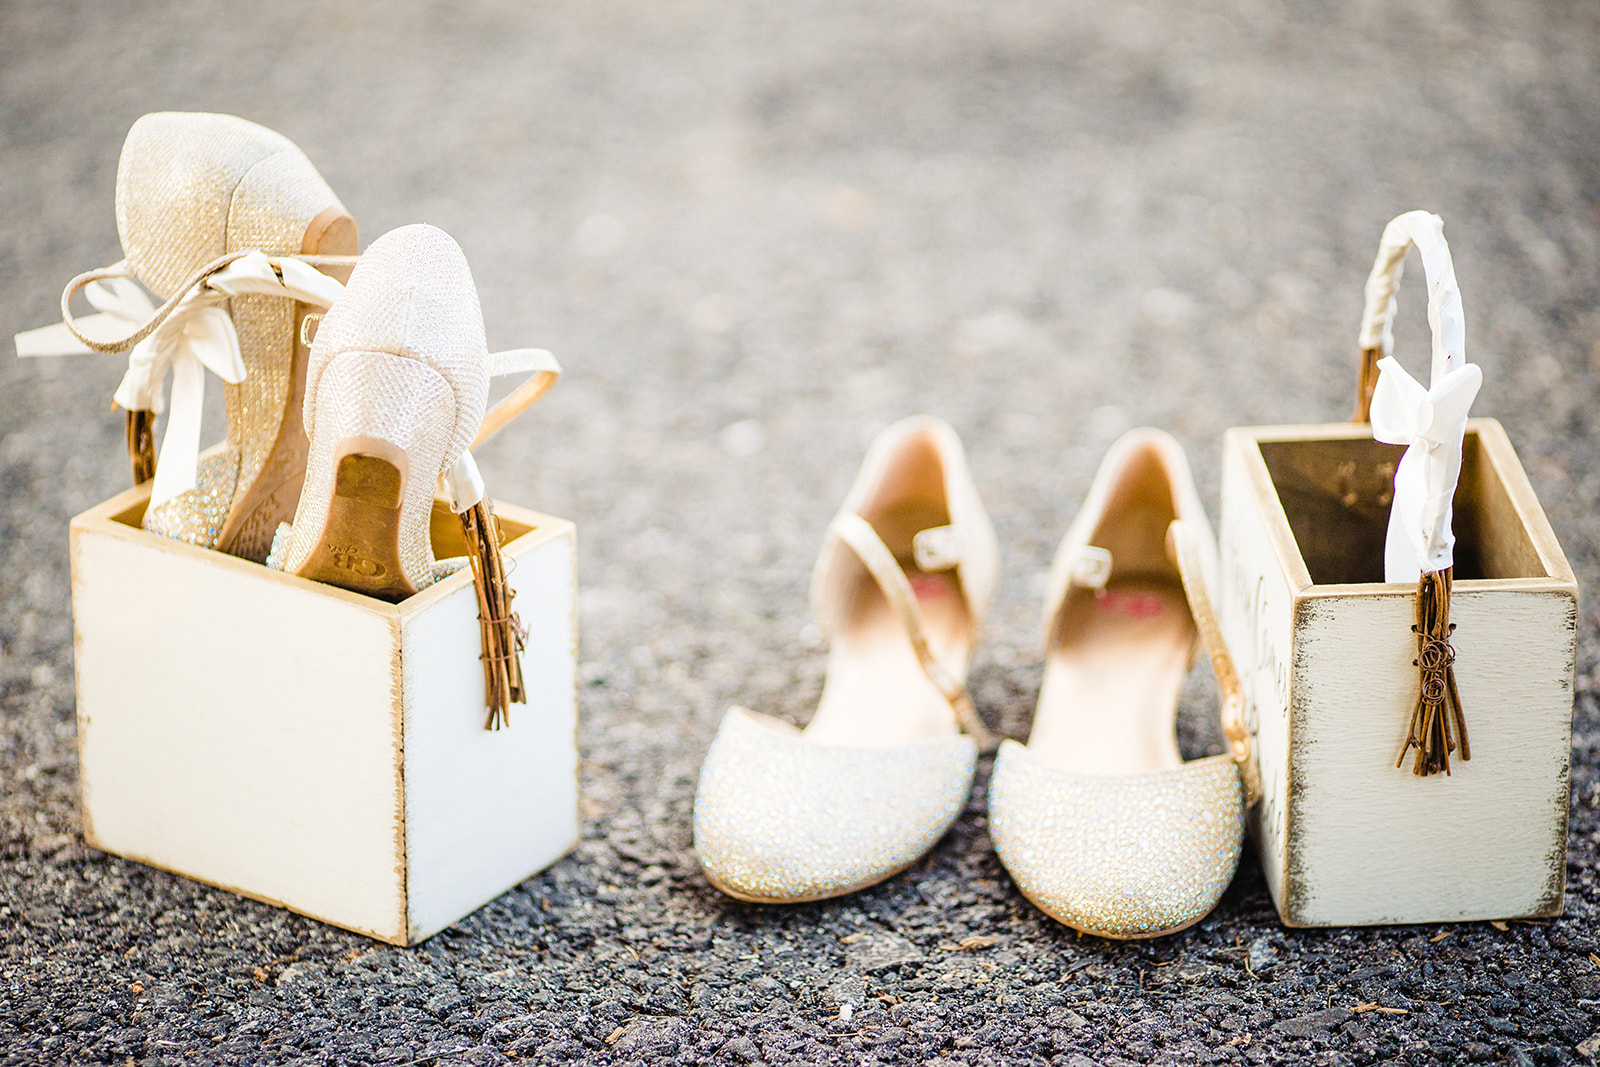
359,548
1109,698
876,694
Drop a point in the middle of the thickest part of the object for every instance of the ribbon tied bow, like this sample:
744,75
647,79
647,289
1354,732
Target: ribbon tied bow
186,338
1431,423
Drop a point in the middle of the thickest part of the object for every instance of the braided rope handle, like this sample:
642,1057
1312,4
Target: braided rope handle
1438,726
1446,319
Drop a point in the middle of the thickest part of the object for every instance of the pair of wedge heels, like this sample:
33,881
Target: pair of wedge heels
355,384
1098,818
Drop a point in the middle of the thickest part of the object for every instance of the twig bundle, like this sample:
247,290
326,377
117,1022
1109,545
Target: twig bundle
502,632
1436,722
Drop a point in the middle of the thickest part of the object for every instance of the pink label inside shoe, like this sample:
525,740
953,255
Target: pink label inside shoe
1131,605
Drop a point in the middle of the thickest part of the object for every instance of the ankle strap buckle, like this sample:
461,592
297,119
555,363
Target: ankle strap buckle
936,549
1091,568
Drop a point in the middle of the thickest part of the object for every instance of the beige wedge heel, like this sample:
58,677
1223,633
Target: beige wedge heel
272,496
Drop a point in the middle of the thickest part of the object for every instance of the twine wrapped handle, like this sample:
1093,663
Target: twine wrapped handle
1431,422
142,445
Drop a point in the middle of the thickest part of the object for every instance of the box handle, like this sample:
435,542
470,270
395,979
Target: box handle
1432,423
503,636
1445,316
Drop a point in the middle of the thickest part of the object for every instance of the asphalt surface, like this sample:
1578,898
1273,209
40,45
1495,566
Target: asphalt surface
755,234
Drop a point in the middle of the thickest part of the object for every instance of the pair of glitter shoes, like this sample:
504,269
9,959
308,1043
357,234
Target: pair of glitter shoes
1098,818
335,445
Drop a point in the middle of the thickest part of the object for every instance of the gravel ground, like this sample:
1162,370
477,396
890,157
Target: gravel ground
755,234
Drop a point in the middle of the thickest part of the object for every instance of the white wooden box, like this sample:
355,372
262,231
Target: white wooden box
315,748
1326,653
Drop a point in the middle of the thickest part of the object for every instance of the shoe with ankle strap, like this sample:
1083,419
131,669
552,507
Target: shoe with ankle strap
885,765
1098,819
396,392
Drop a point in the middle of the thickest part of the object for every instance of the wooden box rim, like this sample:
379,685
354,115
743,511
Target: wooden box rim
119,517
1246,441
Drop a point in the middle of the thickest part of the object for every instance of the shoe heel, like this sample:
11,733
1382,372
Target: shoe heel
368,494
360,545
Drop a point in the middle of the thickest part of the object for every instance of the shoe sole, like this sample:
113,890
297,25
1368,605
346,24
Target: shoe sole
748,899
1111,937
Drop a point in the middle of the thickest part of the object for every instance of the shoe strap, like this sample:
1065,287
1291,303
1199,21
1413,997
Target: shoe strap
462,483
863,540
289,279
187,336
1185,543
500,630
542,372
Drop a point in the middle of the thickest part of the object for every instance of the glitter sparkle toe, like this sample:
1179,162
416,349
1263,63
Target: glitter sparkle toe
196,517
782,819
1124,856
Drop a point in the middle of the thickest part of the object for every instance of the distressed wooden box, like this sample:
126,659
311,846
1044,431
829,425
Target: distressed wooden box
1325,650
315,748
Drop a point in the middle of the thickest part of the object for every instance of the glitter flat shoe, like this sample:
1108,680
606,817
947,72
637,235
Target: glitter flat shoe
396,392
223,220
885,766
1098,819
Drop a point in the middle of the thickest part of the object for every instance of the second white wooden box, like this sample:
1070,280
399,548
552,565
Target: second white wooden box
315,748
1326,652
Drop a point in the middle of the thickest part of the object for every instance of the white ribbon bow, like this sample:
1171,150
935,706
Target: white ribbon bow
1431,422
197,336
